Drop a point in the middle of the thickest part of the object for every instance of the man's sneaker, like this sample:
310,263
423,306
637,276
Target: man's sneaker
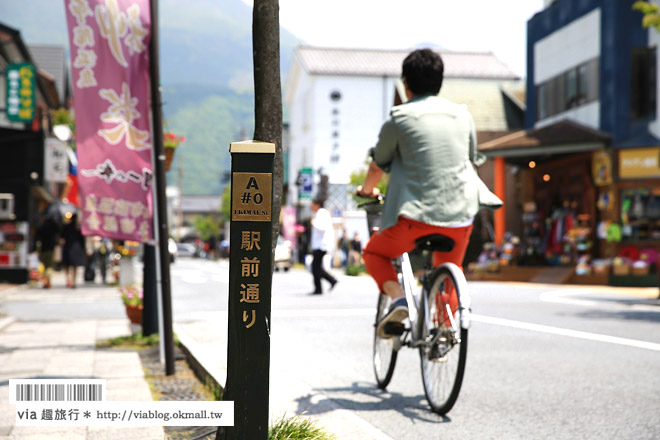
395,316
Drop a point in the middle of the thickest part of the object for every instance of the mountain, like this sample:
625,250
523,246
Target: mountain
206,75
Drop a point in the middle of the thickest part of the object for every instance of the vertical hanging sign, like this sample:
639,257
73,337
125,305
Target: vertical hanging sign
250,279
110,75
21,92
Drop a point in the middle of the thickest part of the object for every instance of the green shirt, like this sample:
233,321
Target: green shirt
429,146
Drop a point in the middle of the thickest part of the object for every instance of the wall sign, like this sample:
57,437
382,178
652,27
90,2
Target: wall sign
21,92
639,163
601,168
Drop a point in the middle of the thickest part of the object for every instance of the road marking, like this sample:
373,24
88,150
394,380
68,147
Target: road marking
566,332
563,297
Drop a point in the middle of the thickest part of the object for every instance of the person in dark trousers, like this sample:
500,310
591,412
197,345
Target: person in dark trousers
73,251
322,243
46,237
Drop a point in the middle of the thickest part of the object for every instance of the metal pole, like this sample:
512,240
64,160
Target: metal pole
161,199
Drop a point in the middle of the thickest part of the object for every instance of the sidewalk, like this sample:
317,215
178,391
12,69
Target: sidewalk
67,350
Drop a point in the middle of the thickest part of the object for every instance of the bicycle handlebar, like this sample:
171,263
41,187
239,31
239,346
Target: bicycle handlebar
378,200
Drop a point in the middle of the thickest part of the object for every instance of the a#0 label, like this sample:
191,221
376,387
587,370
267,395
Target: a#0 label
107,413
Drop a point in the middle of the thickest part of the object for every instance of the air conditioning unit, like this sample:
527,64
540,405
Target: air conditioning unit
7,206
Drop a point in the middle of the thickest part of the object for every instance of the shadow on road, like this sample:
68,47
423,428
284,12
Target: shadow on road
631,315
412,407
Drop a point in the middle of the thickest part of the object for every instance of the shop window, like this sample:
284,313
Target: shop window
643,84
640,214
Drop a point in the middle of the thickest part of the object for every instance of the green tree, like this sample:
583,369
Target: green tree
357,178
651,12
206,226
225,204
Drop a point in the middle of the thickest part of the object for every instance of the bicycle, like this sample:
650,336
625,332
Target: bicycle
438,321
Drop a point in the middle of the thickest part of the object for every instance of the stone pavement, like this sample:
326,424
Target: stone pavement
67,350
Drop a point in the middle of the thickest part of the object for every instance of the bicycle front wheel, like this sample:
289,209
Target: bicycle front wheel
385,350
444,353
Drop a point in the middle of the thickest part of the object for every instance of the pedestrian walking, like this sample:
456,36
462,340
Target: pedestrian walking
343,248
355,254
46,239
73,250
322,243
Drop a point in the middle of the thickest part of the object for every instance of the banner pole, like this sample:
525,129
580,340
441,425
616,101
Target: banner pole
161,201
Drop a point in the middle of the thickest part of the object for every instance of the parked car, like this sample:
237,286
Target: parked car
186,250
283,254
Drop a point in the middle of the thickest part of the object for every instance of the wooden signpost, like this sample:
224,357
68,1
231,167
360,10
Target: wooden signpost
250,280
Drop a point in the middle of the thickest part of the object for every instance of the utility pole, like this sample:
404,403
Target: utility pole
180,185
161,198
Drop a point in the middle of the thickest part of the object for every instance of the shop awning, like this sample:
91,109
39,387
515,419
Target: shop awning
562,137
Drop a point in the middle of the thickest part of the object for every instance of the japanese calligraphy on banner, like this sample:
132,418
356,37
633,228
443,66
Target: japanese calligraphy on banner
110,75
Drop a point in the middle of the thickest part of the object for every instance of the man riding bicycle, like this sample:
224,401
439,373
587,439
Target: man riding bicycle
429,146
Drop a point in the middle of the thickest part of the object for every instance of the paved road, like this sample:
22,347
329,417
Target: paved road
544,361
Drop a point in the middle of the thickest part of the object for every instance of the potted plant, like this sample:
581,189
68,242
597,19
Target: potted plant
170,142
133,299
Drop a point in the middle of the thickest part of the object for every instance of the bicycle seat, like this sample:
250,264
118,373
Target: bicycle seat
435,242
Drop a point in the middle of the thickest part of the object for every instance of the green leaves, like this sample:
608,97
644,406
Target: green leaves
651,12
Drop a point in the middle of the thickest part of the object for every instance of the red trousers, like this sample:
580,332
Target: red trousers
395,240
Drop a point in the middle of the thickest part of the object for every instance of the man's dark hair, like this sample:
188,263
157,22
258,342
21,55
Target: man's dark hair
423,71
319,202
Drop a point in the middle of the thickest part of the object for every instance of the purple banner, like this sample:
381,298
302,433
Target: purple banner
110,68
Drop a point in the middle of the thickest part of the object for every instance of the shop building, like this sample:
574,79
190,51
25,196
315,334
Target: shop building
28,174
587,181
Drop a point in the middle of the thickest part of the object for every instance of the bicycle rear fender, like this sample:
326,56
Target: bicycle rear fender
464,298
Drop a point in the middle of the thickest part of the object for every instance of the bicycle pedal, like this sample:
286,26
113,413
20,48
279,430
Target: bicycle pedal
395,328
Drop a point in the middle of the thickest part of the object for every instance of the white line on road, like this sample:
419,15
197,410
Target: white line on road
370,311
566,332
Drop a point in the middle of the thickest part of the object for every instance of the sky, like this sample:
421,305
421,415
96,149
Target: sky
497,26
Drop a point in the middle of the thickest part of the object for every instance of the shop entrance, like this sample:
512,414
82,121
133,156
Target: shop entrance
558,203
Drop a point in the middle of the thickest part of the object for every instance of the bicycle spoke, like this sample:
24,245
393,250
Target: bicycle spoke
443,356
385,350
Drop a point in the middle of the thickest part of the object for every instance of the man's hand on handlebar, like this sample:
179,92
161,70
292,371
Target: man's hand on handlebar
359,191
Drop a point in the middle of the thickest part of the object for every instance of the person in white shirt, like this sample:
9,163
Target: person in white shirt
322,242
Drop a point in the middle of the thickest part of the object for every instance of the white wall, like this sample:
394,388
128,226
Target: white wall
568,47
365,103
588,114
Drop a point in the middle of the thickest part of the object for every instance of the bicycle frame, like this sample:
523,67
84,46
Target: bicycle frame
407,280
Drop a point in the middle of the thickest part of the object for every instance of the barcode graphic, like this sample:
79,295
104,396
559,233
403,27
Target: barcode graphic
90,390
59,392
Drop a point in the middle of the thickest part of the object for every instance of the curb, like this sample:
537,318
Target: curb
338,420
6,322
5,292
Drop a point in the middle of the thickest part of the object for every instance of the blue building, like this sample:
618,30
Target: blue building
587,165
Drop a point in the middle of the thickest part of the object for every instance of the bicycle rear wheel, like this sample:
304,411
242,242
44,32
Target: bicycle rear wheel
444,355
385,350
